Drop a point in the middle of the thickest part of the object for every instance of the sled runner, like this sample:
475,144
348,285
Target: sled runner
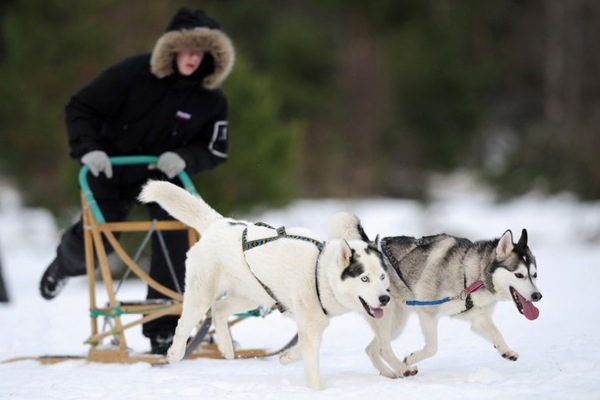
115,311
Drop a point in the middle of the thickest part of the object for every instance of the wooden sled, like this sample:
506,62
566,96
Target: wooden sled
118,351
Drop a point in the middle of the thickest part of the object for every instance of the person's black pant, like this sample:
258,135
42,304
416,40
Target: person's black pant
115,198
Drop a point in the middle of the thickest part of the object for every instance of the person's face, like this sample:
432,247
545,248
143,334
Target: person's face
189,61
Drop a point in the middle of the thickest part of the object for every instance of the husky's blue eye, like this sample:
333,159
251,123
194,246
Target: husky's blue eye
382,277
519,275
365,279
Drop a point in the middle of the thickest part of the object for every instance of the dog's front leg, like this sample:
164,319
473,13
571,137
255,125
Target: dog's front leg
384,359
484,326
380,352
429,327
373,350
310,353
310,333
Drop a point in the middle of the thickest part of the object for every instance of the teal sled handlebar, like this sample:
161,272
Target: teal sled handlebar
125,160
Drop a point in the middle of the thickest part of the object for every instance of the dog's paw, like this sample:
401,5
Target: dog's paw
389,374
285,359
510,355
410,371
401,373
227,350
290,356
174,355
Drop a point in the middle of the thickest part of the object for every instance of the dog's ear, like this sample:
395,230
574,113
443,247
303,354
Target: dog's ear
505,245
522,244
376,242
361,231
345,254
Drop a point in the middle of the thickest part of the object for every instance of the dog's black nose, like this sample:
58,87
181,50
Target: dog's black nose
536,296
383,300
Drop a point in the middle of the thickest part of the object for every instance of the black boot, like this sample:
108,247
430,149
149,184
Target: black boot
53,281
160,343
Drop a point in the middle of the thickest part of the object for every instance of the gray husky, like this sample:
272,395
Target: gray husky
444,275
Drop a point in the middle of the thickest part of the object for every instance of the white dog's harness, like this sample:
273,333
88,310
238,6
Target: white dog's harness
281,233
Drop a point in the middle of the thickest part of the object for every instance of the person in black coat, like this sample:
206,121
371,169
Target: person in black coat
167,103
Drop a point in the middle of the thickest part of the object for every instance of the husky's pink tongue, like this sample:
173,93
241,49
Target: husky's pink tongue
377,312
530,311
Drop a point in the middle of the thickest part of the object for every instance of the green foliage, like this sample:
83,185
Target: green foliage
41,64
55,47
302,65
544,162
292,45
263,159
328,98
445,61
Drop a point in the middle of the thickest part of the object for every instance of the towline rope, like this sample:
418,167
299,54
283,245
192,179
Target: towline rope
463,295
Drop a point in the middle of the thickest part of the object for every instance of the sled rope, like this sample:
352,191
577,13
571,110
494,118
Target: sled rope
465,294
257,312
117,311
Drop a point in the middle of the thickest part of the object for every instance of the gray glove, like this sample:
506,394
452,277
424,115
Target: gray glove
170,163
97,161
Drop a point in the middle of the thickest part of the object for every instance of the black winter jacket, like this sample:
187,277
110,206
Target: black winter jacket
127,110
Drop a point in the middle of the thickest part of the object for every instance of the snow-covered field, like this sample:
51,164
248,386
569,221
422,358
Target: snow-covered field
559,352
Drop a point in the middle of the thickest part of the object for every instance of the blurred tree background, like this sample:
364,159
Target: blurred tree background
331,98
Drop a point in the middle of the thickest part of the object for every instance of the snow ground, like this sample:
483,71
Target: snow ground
559,352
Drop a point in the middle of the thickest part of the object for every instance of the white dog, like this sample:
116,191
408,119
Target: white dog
237,266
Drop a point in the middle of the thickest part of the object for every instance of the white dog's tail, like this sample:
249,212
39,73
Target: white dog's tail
181,204
344,225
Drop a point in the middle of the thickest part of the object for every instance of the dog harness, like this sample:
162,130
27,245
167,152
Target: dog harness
465,294
281,233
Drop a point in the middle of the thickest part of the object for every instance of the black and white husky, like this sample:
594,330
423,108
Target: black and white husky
238,266
444,275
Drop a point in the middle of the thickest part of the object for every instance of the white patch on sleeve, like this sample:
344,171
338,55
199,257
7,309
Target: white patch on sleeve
218,143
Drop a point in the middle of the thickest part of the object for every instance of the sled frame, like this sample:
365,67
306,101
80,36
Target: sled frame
95,229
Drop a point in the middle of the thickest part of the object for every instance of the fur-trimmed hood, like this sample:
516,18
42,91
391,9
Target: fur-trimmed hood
194,30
